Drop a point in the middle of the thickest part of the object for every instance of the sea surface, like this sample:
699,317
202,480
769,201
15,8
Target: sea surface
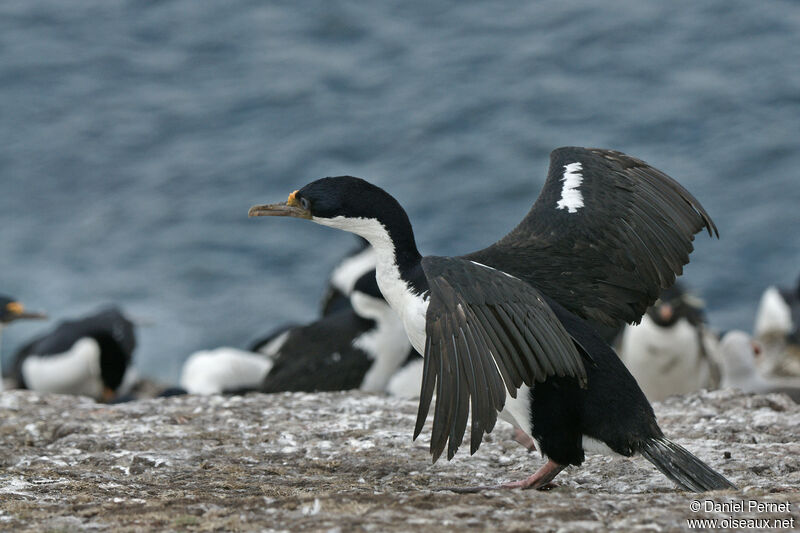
135,135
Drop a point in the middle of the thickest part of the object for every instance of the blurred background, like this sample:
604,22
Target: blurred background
135,135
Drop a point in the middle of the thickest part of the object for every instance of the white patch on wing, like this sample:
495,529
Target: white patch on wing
492,268
214,371
386,344
571,197
76,371
345,275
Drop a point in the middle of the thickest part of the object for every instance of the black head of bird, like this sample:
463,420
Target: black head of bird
11,310
675,303
353,205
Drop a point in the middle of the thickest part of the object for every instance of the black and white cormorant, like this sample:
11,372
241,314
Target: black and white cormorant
344,276
672,350
606,235
232,370
359,346
353,348
336,297
88,356
12,310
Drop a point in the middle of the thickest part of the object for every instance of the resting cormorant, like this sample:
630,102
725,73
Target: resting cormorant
10,311
88,356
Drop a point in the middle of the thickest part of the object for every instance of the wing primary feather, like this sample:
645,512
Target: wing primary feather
505,347
546,339
482,338
475,430
442,411
432,354
461,406
480,410
494,383
484,408
534,371
668,254
545,356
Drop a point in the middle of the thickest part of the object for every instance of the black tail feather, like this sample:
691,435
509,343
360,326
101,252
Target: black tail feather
686,470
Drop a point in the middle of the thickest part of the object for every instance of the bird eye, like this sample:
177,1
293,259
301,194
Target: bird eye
305,204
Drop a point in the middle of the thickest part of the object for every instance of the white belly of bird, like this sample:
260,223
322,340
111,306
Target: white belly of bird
76,371
214,371
406,382
664,361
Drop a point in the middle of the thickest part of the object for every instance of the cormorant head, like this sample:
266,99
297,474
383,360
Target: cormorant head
343,202
11,310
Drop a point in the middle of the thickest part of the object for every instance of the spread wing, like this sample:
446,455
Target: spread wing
606,234
487,332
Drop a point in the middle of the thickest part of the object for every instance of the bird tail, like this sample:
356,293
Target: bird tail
686,470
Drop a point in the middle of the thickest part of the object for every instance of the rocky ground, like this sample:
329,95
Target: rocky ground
346,462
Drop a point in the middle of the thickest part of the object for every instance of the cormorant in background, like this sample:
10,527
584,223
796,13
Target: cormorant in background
11,310
343,277
89,356
358,346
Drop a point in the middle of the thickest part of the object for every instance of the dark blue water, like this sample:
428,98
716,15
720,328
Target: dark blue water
135,135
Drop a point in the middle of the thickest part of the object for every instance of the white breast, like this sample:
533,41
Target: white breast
76,371
407,381
214,371
387,344
664,361
517,411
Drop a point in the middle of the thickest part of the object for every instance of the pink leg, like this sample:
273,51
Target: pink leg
524,439
540,480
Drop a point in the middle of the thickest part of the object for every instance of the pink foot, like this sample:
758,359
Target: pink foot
541,480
